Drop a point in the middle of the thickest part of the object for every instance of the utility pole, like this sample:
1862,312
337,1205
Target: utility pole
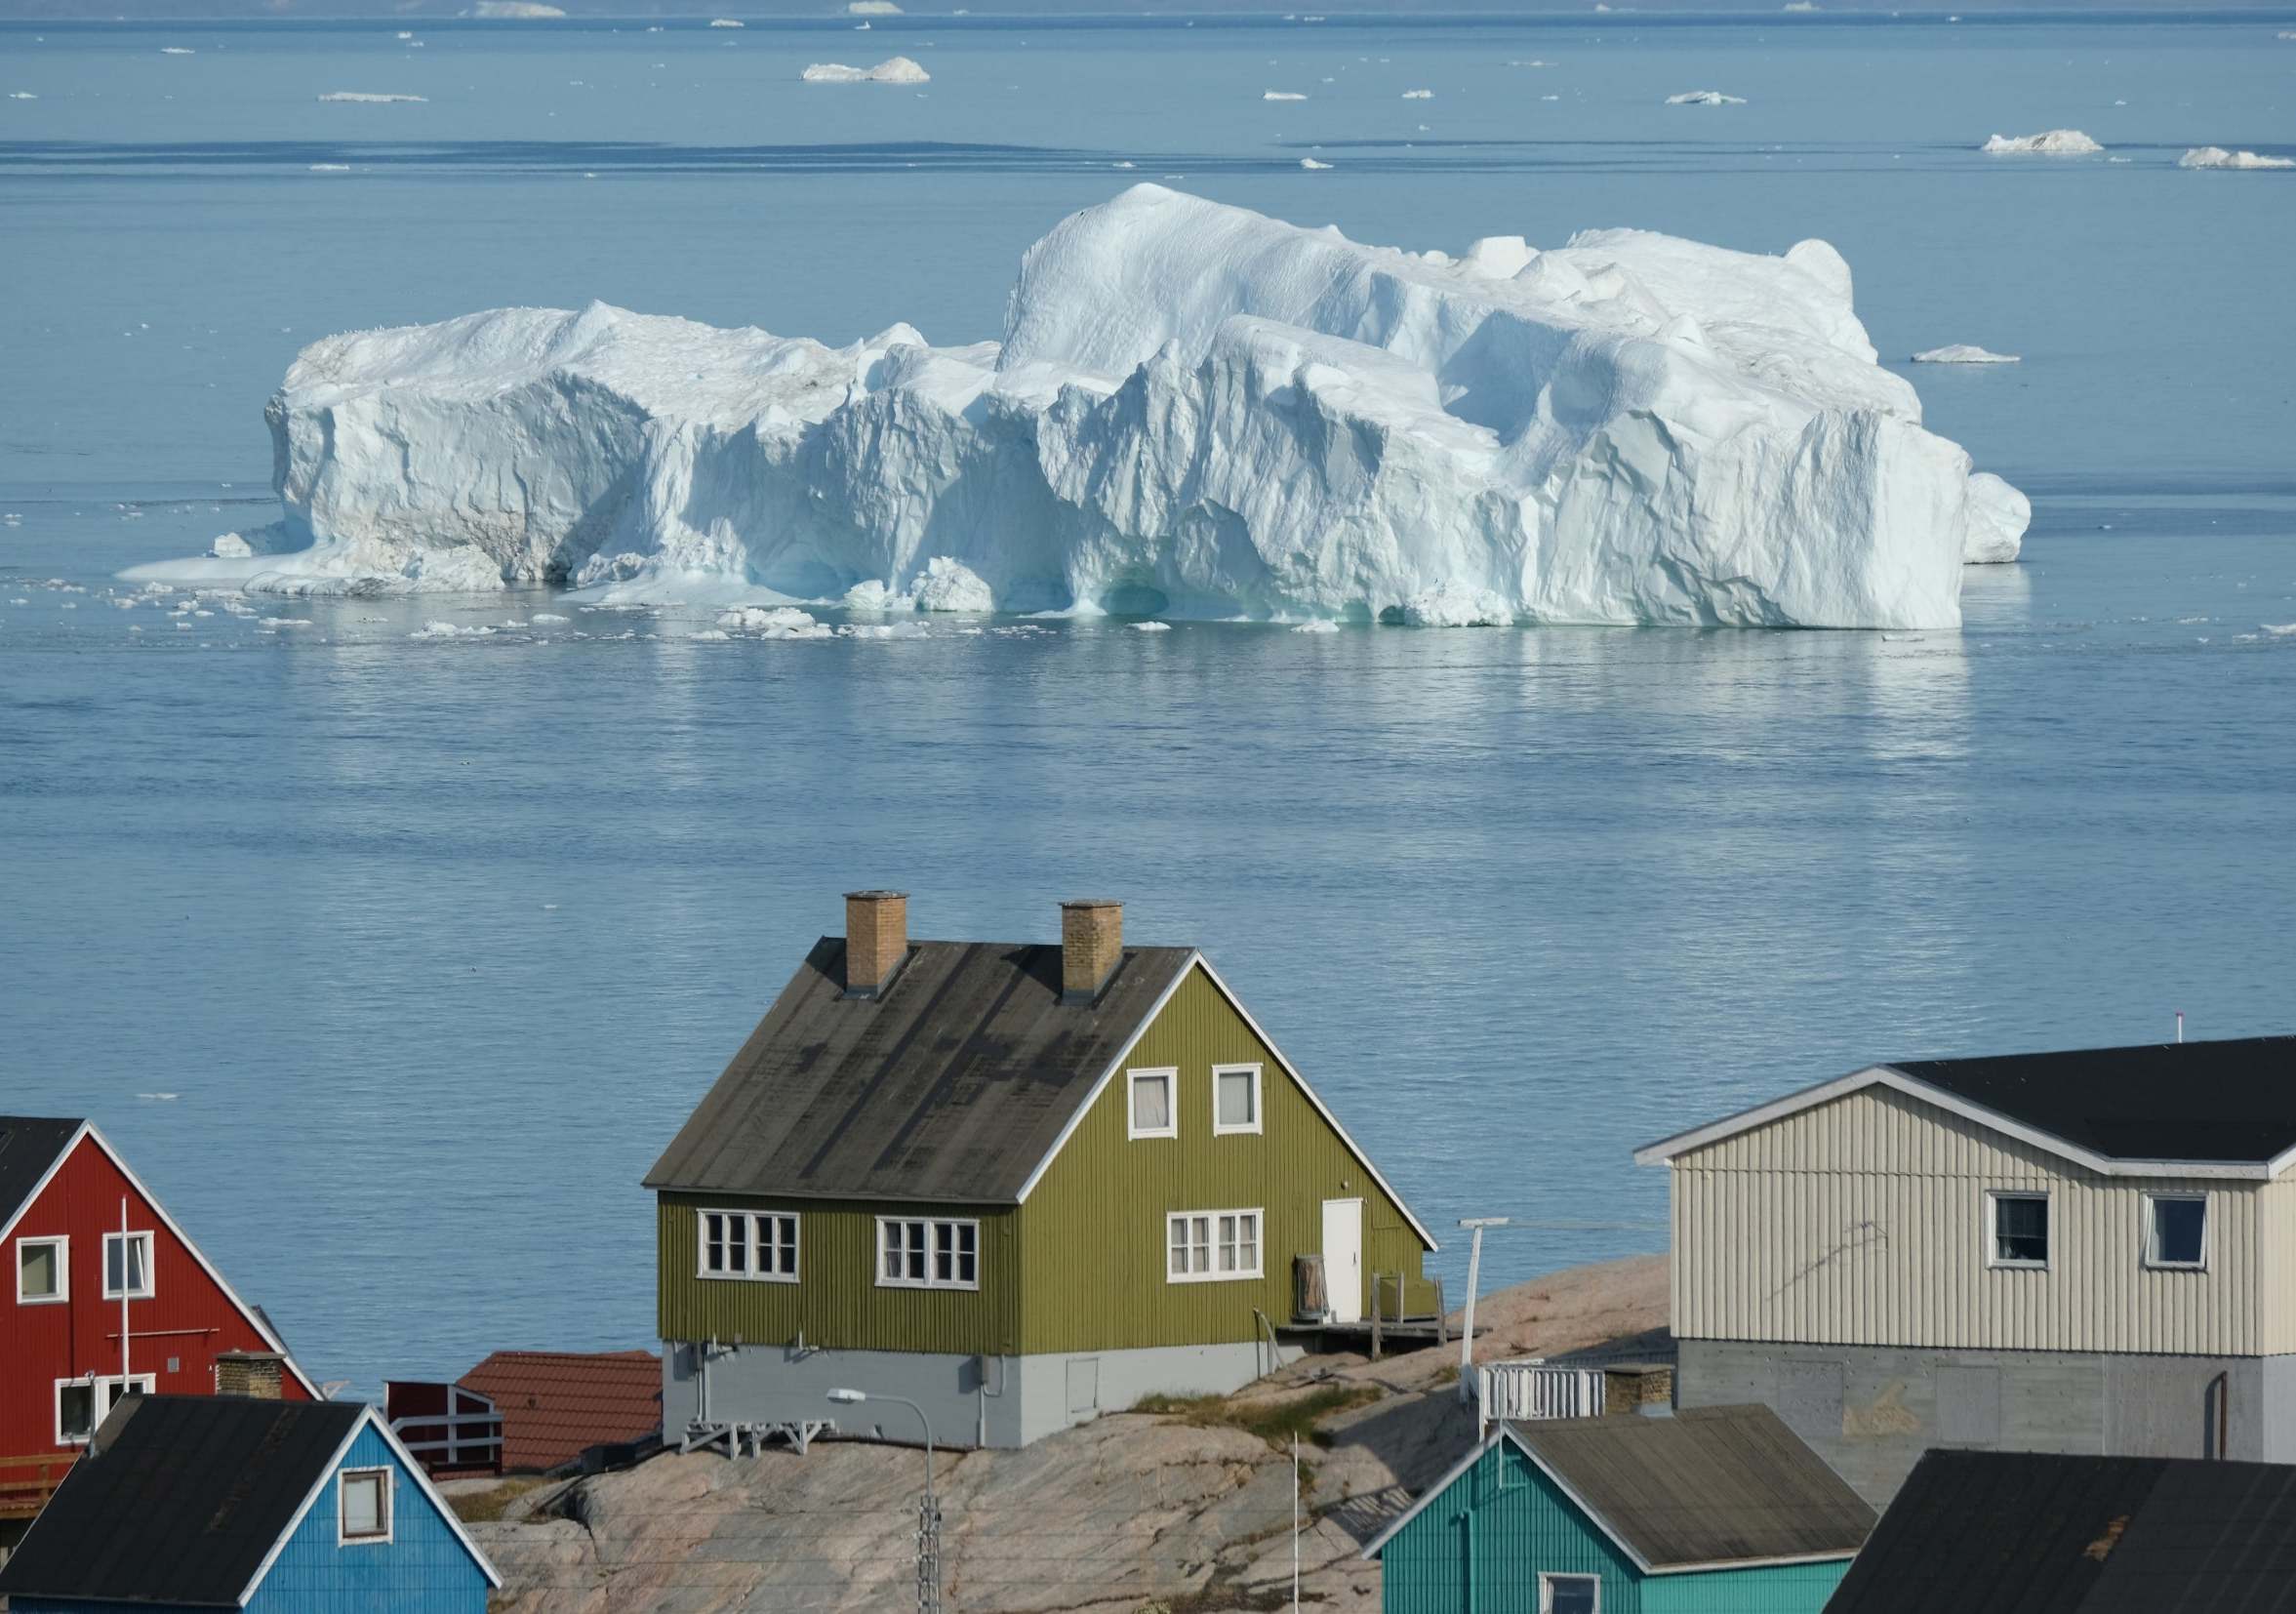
927,1505
1474,1272
1295,1521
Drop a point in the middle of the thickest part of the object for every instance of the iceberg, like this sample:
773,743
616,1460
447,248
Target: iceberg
367,97
522,11
899,69
2052,143
1963,352
1705,97
2216,156
1195,411
1282,94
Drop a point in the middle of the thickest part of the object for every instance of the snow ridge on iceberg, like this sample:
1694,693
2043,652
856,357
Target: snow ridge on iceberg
1195,411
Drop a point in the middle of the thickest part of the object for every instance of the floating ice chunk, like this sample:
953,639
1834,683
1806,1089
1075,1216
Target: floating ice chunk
158,1097
2278,630
1998,515
1801,5
872,8
367,97
949,585
898,69
2216,156
778,622
884,630
450,631
1962,352
1705,97
726,23
709,635
1419,95
1152,628
1452,603
176,49
230,547
2050,143
875,595
1318,625
521,11
1534,61
22,95
541,617
405,33
1281,94
330,168
1312,164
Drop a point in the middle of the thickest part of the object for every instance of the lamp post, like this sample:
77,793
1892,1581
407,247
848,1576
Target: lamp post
928,1508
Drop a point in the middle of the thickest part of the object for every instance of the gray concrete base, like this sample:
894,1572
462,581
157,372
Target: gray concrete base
971,1401
1871,1410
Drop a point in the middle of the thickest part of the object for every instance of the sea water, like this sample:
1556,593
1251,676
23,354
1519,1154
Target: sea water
392,958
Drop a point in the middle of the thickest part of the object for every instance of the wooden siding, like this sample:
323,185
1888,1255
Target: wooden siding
174,1334
836,1302
1862,1221
423,1569
1091,1234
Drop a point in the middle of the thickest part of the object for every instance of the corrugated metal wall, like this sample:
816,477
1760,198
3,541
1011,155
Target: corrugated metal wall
1092,1232
1864,1221
1480,1547
1780,1589
422,1570
836,1302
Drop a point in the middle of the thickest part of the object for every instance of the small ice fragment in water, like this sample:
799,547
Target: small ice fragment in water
1282,94
367,97
1962,352
1705,97
1311,163
2216,156
1152,628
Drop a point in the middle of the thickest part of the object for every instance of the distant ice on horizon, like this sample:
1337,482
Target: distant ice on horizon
2052,143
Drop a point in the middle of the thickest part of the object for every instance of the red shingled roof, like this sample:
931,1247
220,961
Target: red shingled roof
558,1403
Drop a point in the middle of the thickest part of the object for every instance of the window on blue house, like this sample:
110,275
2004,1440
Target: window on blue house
363,1503
1570,1595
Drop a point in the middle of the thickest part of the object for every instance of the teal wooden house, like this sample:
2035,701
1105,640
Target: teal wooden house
1716,1510
188,1502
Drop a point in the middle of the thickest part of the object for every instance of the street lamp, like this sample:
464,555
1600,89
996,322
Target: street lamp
928,1513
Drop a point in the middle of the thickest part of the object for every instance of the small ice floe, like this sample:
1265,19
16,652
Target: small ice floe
2049,142
450,631
1705,97
2216,156
898,69
518,11
274,624
872,8
718,635
1534,61
1419,95
1965,352
2278,630
1152,628
1322,625
1124,165
778,622
1313,165
726,23
1802,7
369,98
176,49
22,95
330,168
406,34
159,1098
545,617
1281,94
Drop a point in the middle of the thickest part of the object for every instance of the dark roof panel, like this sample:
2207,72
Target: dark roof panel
2048,1533
1707,1486
951,1086
28,1146
187,1497
2231,1101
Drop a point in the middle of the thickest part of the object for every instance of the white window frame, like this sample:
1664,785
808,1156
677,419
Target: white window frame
932,1226
1258,1122
1169,1076
1546,1589
150,1260
1992,1229
2153,1261
1211,1218
99,1410
751,1225
61,1243
391,1507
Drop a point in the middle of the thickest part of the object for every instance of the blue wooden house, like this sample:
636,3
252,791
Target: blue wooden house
1716,1510
205,1502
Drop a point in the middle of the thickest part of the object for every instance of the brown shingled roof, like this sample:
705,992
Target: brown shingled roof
556,1404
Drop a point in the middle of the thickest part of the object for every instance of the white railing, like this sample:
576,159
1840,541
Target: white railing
484,1447
1531,1389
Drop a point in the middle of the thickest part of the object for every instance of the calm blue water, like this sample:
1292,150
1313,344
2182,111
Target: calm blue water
434,941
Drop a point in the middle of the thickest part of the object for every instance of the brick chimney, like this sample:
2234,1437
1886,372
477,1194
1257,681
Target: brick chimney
877,938
1091,945
257,1375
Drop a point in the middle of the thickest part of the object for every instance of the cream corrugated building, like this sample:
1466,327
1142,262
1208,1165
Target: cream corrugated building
2078,1252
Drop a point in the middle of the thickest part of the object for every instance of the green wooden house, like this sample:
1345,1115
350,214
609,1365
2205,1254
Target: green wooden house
1019,1184
1716,1510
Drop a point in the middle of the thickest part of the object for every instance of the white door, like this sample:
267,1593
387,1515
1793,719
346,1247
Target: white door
1343,1258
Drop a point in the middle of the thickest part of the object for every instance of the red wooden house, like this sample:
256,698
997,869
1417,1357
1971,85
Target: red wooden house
105,1294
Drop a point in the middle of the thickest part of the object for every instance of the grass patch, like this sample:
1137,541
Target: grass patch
487,1506
1275,1422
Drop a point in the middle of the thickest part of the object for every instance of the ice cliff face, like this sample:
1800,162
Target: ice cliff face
1196,411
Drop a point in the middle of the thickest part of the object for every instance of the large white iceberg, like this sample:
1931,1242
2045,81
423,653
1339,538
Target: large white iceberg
2049,142
1195,411
898,69
2216,156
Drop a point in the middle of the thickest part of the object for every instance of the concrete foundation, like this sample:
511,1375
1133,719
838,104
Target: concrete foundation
1871,1410
971,1401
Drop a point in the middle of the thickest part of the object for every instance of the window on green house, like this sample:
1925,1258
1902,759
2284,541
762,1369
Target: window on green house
1208,1246
1151,1114
1570,1595
1235,1098
928,1254
748,1244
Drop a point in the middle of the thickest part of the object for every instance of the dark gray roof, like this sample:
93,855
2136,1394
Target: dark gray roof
2232,1102
28,1146
1984,1532
952,1085
1707,1486
182,1502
